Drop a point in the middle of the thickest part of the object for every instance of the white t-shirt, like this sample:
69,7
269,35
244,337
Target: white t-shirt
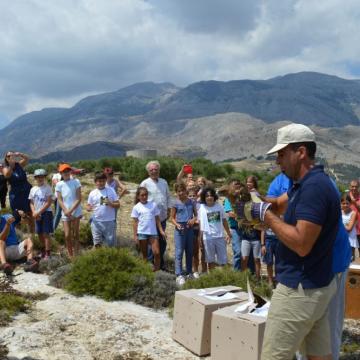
102,212
40,195
160,194
214,216
67,189
146,213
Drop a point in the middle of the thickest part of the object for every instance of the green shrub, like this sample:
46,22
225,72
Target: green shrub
157,296
59,236
85,236
10,304
57,279
227,276
49,266
38,245
108,273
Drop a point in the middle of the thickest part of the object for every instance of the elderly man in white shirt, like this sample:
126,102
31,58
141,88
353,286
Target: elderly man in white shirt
159,193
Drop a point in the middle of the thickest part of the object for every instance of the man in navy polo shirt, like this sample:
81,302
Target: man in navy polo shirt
298,314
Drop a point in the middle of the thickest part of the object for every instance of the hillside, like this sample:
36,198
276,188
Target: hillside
220,120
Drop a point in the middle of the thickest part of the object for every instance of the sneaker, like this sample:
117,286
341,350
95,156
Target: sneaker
180,280
7,268
31,266
196,275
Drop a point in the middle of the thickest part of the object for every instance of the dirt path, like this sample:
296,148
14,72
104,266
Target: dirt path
65,327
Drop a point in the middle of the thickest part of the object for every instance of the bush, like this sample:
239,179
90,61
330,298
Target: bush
108,273
157,296
50,265
57,279
54,245
85,236
227,276
10,304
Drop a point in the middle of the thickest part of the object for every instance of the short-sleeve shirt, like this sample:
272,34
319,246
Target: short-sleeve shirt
39,195
215,215
12,238
67,189
102,212
280,185
184,210
160,194
145,213
313,199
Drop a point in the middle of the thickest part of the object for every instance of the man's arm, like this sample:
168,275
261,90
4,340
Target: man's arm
299,238
279,204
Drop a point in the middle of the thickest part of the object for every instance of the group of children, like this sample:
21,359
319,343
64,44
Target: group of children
202,226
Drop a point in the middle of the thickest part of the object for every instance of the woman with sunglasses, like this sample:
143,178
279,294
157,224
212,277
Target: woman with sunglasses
20,187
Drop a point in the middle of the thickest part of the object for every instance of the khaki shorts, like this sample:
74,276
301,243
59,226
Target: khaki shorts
298,319
15,252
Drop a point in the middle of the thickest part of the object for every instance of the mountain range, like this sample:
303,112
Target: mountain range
220,120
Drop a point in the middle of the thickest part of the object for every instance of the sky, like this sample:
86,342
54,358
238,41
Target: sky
54,53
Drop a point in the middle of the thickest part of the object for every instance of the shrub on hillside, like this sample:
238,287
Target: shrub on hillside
227,276
10,304
108,273
160,294
57,279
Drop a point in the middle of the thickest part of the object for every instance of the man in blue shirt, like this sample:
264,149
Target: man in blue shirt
11,249
298,315
340,264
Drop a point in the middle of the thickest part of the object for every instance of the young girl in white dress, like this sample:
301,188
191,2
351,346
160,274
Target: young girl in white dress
349,221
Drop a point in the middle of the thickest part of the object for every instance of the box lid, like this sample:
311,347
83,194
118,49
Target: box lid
197,295
229,312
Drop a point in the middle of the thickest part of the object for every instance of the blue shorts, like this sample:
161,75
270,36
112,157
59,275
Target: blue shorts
147,237
45,224
271,243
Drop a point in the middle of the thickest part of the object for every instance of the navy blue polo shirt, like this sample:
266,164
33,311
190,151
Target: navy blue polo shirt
313,199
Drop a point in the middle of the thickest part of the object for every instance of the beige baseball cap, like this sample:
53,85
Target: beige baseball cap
293,133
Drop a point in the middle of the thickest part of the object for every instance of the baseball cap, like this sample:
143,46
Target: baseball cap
40,172
64,167
293,133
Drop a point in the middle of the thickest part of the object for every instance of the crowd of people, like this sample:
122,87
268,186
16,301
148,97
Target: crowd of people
302,225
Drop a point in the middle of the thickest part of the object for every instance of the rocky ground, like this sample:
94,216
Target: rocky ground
67,327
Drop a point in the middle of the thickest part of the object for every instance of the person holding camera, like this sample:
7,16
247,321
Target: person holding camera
104,202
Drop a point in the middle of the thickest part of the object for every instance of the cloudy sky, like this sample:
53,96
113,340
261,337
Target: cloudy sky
54,53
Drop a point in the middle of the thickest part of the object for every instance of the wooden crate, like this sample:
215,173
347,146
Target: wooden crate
352,294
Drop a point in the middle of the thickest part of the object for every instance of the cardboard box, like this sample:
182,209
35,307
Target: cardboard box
192,317
236,336
352,293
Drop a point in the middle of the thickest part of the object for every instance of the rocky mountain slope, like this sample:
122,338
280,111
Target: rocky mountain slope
221,120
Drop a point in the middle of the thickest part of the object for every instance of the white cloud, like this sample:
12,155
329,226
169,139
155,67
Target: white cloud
55,52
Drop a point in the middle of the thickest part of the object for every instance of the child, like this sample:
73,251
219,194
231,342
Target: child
198,241
115,184
212,221
11,249
349,221
68,193
40,203
251,242
146,222
103,201
183,216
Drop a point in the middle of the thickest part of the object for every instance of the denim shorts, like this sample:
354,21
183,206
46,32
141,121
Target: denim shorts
271,243
248,245
45,224
147,237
